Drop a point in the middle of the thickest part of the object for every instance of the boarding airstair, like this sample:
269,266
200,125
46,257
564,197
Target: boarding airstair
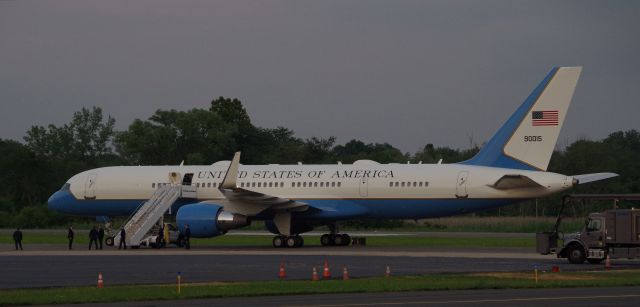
149,213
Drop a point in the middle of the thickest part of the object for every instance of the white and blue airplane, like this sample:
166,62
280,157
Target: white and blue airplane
293,199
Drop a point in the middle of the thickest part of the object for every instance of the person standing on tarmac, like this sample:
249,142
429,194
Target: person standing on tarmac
123,235
70,237
100,236
161,241
93,237
17,238
187,237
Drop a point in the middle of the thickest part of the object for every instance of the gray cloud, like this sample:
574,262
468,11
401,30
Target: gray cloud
403,72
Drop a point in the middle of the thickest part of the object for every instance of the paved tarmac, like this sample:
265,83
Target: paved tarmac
56,268
624,296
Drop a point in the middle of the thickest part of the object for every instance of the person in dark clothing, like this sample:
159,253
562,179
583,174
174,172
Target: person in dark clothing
93,237
100,236
123,236
161,236
17,238
187,237
70,237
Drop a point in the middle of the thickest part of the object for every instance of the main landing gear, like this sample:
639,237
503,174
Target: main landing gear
288,241
335,239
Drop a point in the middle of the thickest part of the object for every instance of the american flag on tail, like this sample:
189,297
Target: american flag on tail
544,118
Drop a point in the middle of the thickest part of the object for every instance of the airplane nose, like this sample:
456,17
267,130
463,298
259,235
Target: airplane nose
56,200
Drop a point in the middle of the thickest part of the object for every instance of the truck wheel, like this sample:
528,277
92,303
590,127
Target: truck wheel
594,261
576,254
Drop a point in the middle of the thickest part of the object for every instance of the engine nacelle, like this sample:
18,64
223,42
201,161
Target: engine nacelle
207,221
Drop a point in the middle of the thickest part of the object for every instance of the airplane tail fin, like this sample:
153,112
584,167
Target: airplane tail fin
527,139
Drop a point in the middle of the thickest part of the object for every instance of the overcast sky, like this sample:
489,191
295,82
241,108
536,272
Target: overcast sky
403,72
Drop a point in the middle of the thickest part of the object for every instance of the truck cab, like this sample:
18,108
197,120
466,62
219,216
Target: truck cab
587,244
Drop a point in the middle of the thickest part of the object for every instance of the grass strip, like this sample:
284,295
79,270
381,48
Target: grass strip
296,287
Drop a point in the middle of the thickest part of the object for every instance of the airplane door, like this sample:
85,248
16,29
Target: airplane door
364,187
90,186
461,185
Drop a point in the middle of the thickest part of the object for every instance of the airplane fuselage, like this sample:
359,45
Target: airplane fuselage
366,188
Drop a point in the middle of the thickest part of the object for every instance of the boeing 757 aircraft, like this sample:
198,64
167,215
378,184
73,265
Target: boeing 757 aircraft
293,199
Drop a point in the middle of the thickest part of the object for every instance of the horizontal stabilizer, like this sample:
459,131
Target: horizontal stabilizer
515,182
586,178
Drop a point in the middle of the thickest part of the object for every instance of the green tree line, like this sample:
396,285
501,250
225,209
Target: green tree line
36,167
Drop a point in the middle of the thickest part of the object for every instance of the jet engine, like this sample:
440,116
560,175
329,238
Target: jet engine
208,220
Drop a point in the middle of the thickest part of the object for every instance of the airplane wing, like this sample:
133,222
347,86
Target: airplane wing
515,181
245,201
586,178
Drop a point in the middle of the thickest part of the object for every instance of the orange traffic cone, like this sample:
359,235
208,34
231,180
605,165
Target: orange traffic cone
387,272
325,273
314,276
100,282
282,273
345,273
607,263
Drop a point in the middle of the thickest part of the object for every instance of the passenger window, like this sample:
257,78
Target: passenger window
402,184
339,183
426,184
270,184
397,184
153,185
415,184
391,184
333,184
293,184
315,184
304,184
420,184
259,184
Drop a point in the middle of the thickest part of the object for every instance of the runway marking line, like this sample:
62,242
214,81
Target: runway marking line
479,301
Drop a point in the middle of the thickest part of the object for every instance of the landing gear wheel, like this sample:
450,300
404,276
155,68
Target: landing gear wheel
278,241
346,239
291,241
109,241
325,240
576,254
337,240
299,241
